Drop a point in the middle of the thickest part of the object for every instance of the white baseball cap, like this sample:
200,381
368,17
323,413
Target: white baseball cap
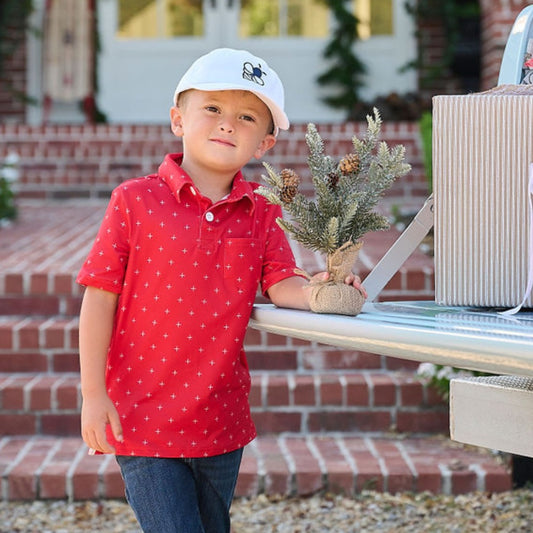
226,69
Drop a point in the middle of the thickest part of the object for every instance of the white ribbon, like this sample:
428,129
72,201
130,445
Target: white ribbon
530,248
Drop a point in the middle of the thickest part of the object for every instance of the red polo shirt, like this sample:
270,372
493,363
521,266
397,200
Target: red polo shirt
187,272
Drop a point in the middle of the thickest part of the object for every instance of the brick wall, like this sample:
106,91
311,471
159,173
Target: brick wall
431,46
498,17
13,76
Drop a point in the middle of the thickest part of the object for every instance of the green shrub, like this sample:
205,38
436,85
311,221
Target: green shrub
426,126
8,174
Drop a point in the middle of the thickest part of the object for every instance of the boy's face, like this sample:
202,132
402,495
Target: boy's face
221,130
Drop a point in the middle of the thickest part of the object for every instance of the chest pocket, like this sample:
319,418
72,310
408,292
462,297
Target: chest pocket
243,261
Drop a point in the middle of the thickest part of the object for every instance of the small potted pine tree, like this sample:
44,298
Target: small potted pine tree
341,210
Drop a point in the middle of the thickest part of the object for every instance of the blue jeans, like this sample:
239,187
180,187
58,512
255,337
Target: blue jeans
171,495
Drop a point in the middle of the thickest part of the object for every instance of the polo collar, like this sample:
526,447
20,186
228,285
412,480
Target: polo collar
176,178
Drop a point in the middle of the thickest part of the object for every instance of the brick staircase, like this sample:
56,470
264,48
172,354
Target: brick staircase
328,418
86,161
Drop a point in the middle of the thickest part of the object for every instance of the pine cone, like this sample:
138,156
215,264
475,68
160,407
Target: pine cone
290,178
349,164
287,193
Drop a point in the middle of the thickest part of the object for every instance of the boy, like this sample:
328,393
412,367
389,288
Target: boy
171,281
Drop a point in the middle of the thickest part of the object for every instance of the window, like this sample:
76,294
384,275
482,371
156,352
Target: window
160,19
375,17
149,19
279,18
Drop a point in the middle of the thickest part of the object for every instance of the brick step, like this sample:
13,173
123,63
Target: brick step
85,179
87,161
49,403
43,250
81,183
33,344
40,305
50,344
39,467
41,294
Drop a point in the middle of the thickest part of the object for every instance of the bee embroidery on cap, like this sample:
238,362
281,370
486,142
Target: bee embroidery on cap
249,72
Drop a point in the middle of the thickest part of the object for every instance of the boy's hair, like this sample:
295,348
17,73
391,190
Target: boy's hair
227,69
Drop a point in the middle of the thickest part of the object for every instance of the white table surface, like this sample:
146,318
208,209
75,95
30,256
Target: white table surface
470,338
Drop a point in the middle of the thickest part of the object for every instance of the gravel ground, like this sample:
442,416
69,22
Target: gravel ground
507,512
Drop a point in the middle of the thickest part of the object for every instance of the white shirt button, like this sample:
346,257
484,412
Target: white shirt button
209,216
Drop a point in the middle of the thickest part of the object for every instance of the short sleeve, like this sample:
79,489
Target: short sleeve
106,262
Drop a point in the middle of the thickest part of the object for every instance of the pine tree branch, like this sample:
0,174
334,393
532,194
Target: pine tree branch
345,192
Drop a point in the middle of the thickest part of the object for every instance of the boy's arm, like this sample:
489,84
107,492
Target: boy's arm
291,292
96,326
295,292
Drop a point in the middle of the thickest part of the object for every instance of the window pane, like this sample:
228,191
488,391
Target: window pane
146,19
259,18
184,17
381,17
307,19
137,18
375,17
274,18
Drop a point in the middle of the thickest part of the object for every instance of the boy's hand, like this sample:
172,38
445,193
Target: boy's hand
354,280
96,413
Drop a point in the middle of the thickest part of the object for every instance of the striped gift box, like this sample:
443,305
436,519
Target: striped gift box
482,150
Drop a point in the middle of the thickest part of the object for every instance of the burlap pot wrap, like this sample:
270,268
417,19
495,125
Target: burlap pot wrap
334,295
